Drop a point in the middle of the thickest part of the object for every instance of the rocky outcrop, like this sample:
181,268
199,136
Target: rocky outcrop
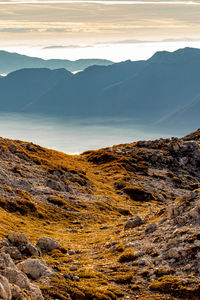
5,288
17,280
132,210
172,245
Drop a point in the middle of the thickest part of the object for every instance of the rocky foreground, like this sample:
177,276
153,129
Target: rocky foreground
116,223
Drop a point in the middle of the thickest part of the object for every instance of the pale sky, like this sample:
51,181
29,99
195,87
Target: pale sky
115,30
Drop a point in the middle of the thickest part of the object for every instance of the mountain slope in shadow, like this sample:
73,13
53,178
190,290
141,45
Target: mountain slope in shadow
149,92
10,62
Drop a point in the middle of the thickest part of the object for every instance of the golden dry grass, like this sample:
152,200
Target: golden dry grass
101,271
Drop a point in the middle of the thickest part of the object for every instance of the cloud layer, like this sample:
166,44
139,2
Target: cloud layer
104,2
89,22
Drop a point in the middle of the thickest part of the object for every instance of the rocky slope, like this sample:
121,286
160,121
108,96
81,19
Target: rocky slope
115,223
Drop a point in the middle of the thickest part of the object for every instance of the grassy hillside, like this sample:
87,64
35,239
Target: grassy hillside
87,202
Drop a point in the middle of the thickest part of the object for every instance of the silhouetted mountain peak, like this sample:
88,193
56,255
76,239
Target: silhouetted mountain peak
41,72
13,61
181,55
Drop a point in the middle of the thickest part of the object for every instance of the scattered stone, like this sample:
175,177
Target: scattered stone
18,239
76,278
13,251
130,245
66,276
35,268
6,261
104,227
47,244
71,252
73,268
151,227
5,242
32,250
132,223
173,253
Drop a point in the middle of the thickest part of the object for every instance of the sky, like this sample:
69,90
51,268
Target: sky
116,30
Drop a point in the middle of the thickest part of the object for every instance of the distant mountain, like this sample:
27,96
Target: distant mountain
13,61
20,88
163,90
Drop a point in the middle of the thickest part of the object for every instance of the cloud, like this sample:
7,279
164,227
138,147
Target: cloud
57,30
65,47
135,41
18,30
182,40
104,2
130,41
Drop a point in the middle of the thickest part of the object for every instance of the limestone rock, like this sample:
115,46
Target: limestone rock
18,238
71,252
35,268
5,291
13,251
31,250
5,242
47,244
173,253
17,277
151,227
36,293
6,261
132,223
18,294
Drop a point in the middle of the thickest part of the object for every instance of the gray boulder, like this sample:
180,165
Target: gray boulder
31,250
151,227
47,244
132,223
18,238
12,251
35,268
6,261
17,277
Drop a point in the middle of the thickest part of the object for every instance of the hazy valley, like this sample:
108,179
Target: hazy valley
162,91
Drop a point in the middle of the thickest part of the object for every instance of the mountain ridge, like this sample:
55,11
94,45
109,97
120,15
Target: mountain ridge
161,90
11,61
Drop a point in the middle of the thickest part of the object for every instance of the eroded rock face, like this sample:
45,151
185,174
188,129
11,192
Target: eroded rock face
15,276
18,281
5,289
10,275
18,246
47,244
172,245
